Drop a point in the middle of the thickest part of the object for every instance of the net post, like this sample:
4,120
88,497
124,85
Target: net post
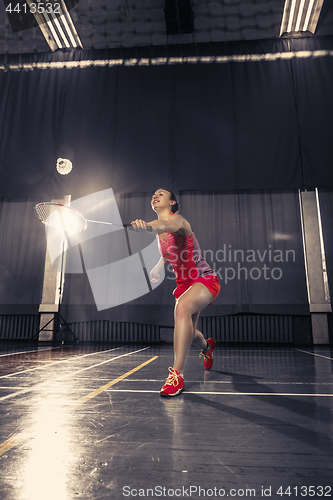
51,295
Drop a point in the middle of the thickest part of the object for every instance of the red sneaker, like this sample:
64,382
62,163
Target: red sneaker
208,355
174,384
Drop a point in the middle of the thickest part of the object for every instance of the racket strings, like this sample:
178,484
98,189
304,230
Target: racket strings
42,212
60,217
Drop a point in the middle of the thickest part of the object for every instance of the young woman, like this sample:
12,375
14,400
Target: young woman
197,284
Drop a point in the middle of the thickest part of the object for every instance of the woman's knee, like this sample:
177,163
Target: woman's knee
183,309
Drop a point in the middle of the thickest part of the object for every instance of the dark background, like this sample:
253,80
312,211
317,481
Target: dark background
234,140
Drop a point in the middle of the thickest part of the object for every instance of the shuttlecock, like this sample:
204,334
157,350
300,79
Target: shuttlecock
64,166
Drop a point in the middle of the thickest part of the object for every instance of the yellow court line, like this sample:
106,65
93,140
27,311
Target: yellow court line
110,384
21,436
13,441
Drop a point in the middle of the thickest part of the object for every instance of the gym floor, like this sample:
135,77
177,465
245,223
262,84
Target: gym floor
87,421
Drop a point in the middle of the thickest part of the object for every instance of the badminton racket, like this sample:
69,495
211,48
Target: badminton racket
67,218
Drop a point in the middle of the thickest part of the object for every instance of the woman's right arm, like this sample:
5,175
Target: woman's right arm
172,225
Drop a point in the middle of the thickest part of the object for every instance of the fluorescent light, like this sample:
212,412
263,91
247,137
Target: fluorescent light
291,15
54,33
69,31
59,30
62,34
300,16
307,19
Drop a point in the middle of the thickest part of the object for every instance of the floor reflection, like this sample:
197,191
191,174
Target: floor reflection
50,452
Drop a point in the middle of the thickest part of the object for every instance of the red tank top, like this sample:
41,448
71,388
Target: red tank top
185,256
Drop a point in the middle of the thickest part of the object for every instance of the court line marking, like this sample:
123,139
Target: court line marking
313,354
109,384
15,394
13,441
72,374
232,393
8,387
18,438
231,382
35,350
57,362
108,361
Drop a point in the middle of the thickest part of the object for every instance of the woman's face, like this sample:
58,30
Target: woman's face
160,200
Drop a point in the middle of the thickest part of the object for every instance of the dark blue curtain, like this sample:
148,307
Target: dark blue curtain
22,256
236,125
312,78
235,140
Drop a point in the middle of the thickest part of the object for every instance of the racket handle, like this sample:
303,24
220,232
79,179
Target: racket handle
148,228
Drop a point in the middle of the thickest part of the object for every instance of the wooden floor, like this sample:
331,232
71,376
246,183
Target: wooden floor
87,422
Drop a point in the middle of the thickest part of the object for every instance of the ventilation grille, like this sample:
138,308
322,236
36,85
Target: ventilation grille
18,327
266,329
236,329
107,331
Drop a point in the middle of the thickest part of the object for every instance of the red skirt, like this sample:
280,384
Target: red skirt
210,281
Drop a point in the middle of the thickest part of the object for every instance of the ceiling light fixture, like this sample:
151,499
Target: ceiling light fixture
300,16
56,24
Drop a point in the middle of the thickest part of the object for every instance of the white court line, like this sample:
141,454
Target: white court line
34,350
313,354
9,388
108,360
57,362
228,382
72,374
231,393
129,390
18,393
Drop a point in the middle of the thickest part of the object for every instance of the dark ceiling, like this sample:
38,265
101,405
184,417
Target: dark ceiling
106,24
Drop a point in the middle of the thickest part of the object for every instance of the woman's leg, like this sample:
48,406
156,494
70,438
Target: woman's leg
187,311
198,338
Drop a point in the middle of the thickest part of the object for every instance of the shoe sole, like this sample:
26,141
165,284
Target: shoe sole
164,395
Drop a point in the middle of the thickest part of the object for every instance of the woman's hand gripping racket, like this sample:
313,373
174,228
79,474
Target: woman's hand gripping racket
141,225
